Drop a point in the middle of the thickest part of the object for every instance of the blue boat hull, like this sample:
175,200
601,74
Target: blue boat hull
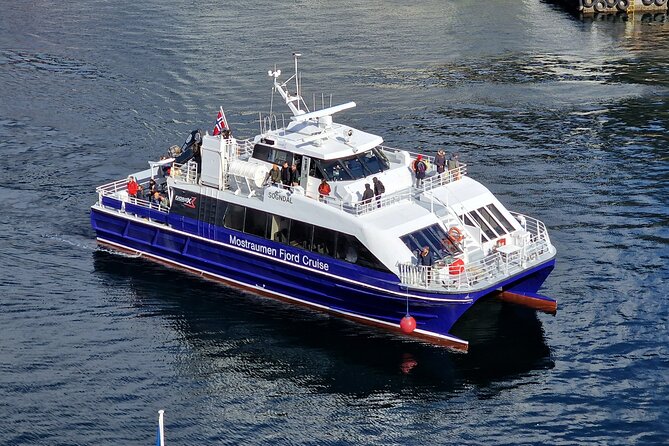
280,271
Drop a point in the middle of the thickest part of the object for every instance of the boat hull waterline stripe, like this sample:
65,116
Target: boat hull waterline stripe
428,335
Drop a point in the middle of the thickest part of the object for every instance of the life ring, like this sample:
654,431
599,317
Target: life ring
456,235
622,5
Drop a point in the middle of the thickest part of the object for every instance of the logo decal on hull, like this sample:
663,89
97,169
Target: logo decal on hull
188,202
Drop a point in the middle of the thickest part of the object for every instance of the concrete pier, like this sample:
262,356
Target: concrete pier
614,6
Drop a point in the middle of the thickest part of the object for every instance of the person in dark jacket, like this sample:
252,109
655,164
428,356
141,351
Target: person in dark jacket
419,167
368,194
440,161
426,258
294,175
285,174
379,189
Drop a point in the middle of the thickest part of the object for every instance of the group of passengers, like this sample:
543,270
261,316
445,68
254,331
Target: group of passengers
287,177
153,194
369,194
441,163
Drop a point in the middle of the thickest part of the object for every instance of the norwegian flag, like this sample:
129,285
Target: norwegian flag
220,122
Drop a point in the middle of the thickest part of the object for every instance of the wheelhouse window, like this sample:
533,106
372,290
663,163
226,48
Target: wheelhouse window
271,154
334,170
353,167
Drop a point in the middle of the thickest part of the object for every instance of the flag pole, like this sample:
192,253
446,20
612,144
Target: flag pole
227,124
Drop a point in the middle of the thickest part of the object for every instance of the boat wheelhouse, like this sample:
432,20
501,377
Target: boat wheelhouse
341,252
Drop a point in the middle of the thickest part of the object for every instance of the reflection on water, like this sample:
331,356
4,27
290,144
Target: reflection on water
234,332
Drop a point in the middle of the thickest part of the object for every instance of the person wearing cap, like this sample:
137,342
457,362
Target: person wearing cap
419,167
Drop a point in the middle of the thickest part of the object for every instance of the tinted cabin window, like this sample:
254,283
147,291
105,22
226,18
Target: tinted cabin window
324,241
220,213
279,228
234,217
482,224
300,234
255,222
498,215
434,237
351,250
470,222
491,221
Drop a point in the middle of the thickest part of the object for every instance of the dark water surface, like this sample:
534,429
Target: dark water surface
565,120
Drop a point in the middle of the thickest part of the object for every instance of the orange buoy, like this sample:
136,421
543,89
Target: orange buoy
408,324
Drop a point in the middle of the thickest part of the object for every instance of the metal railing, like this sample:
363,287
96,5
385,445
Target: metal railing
406,194
486,271
186,173
448,176
118,190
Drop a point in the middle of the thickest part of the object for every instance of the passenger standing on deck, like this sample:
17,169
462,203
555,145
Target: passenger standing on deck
426,259
368,194
285,174
419,167
294,175
379,189
323,189
133,187
454,167
274,175
440,161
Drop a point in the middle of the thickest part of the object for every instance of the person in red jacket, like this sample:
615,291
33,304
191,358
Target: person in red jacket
324,189
133,187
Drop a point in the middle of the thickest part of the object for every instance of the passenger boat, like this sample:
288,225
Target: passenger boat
354,257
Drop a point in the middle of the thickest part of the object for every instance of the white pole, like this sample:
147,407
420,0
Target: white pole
161,426
227,124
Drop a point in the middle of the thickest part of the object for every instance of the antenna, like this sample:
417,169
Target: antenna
297,82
